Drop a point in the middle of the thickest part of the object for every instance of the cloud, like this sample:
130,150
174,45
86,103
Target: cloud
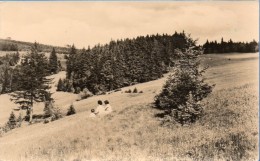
89,23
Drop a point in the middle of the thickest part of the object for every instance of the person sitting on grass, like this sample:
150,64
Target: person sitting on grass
92,114
108,108
100,108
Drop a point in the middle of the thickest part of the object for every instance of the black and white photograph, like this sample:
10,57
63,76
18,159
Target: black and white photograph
129,80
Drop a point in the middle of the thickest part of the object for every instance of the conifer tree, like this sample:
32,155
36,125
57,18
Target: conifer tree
60,85
71,62
11,121
33,85
71,110
185,88
53,62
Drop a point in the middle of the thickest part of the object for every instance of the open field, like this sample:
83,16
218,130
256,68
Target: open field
228,131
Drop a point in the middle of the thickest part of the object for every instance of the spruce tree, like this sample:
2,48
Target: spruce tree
71,62
60,85
53,62
71,110
11,121
33,85
185,88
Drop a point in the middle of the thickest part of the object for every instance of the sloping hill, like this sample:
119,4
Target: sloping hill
133,132
26,46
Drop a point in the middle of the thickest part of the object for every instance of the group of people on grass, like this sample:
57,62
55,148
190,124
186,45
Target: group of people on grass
101,109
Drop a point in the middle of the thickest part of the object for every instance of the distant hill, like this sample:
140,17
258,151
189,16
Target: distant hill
13,45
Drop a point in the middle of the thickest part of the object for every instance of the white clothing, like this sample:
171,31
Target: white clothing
92,114
100,110
108,108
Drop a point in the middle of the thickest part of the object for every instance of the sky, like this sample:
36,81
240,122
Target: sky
89,23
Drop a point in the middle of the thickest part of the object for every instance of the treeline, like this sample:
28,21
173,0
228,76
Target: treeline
13,45
230,47
8,47
123,62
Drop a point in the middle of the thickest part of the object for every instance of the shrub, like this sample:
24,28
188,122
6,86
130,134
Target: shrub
135,90
5,129
141,92
71,89
19,120
48,109
128,91
66,85
46,121
71,110
185,88
60,85
77,90
56,114
85,94
66,56
27,116
11,121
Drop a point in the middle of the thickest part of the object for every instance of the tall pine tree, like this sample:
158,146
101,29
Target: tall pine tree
33,84
53,62
185,88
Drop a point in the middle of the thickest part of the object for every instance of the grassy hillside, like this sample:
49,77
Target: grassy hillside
228,131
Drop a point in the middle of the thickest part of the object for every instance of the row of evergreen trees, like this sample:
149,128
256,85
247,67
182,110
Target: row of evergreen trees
123,62
8,47
230,47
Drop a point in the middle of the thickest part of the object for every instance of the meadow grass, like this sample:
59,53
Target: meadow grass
228,129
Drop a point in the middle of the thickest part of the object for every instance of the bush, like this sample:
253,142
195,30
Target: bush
66,85
135,90
46,121
77,90
27,116
185,88
128,91
85,94
4,129
19,120
56,114
71,110
66,56
141,92
48,109
11,121
60,85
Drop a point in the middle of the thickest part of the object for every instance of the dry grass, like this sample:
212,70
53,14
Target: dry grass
227,131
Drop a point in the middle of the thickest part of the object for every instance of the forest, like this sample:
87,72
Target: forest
230,47
121,63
